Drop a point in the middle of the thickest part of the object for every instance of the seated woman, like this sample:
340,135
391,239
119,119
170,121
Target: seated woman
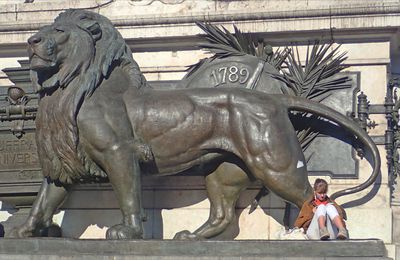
317,215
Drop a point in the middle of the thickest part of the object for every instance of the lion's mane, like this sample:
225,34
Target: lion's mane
93,59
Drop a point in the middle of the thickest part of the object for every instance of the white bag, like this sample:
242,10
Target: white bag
292,234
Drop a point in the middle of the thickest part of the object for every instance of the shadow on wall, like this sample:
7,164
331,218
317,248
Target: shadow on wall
371,194
94,210
79,222
1,230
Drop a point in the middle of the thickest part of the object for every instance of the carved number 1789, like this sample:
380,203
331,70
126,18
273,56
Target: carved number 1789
230,74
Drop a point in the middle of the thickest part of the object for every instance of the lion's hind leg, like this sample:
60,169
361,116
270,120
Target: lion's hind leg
223,189
269,147
291,185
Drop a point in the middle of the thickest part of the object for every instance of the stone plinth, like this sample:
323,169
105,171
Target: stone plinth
38,248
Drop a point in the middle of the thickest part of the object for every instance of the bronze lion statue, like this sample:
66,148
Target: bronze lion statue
98,119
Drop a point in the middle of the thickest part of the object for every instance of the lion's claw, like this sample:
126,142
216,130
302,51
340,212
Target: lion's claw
19,232
186,235
27,231
51,231
123,232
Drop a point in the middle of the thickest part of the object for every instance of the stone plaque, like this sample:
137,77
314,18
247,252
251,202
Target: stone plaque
331,153
244,72
19,158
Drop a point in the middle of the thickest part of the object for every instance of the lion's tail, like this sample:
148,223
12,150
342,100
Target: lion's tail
306,105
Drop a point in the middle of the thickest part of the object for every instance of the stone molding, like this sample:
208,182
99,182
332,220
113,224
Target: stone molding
228,16
177,31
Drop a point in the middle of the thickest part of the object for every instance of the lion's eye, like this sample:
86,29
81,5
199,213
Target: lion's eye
59,30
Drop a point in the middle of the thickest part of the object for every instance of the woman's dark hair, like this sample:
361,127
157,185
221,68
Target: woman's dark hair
320,186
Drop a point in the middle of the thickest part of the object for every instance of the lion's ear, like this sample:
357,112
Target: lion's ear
95,30
93,27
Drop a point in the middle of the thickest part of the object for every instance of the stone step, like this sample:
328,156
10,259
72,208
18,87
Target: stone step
90,249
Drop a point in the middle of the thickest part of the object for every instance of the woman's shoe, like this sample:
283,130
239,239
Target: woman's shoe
324,234
342,234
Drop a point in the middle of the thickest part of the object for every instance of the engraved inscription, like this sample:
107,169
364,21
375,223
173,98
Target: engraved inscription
18,153
231,74
29,175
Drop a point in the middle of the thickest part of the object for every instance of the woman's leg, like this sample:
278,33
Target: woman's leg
334,216
337,220
321,215
313,229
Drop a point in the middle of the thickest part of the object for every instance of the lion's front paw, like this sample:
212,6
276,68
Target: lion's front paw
186,235
123,232
51,231
19,232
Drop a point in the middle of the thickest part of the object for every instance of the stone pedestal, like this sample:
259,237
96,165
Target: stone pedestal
40,248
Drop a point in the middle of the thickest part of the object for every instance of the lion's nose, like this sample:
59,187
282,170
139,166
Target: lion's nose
35,39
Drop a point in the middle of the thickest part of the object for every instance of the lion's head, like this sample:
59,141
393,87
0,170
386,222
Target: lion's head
79,44
59,53
69,59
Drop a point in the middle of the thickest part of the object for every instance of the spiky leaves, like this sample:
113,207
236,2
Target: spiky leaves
315,80
222,43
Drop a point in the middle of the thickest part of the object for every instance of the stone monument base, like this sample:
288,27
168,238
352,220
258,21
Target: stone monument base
63,248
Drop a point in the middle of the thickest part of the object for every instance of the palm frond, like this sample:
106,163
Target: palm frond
316,76
194,67
223,43
278,58
316,79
